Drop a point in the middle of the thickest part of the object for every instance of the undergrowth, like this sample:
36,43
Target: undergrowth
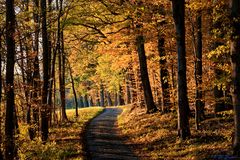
154,136
65,140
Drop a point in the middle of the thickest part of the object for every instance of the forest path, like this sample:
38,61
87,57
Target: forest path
103,139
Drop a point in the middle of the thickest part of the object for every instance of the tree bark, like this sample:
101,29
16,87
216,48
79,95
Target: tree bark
81,104
109,100
85,101
235,58
102,99
1,52
74,91
61,64
199,111
44,109
178,7
151,108
10,148
128,90
36,71
116,99
120,96
164,75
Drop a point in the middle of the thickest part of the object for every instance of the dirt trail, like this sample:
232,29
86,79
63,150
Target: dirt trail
103,140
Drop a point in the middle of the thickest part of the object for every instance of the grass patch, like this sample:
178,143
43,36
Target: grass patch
65,140
154,136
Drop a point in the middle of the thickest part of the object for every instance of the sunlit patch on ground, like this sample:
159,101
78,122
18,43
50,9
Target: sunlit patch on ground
65,140
155,135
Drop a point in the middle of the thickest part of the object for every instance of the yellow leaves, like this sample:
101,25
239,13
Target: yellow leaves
219,51
65,140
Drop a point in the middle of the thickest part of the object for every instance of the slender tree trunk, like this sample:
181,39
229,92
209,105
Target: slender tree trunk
44,109
120,96
178,7
10,149
81,104
74,91
102,99
85,101
90,101
235,53
128,91
199,111
133,86
116,99
36,70
109,100
1,138
164,75
61,64
151,108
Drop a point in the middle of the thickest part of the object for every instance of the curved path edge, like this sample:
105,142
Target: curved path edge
103,141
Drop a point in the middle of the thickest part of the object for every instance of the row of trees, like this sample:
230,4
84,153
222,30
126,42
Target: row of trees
116,51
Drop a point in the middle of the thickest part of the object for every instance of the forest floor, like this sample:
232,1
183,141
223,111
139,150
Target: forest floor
65,139
103,138
155,135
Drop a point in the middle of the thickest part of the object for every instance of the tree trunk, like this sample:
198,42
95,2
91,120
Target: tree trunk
61,65
36,70
85,101
1,138
128,91
81,104
151,108
120,96
235,53
115,99
44,109
164,75
133,86
102,99
199,111
10,149
73,88
109,100
178,7
90,101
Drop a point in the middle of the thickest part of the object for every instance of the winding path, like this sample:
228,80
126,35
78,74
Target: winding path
103,140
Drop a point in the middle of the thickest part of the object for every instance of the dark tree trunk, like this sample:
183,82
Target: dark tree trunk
90,101
218,93
102,99
74,91
44,109
109,100
235,53
61,64
1,138
133,86
199,111
178,7
115,99
164,75
81,104
85,101
10,149
120,96
139,90
128,90
151,108
36,70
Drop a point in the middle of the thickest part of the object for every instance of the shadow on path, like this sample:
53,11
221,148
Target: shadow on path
103,140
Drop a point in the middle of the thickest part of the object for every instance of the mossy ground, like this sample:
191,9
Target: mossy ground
65,140
154,136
